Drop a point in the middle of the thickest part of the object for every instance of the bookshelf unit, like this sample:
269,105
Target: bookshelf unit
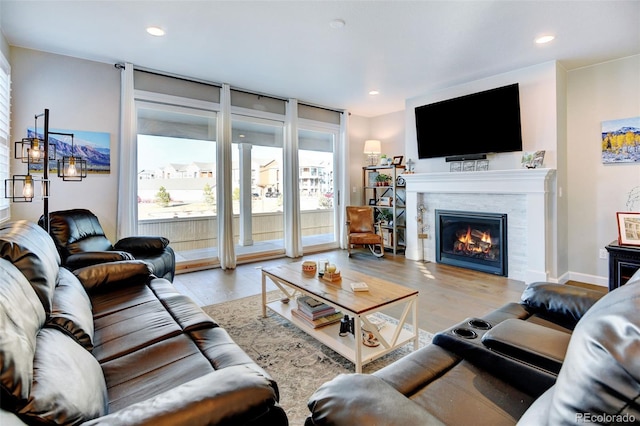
387,200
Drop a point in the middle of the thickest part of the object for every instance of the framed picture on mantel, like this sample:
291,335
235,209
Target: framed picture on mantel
628,228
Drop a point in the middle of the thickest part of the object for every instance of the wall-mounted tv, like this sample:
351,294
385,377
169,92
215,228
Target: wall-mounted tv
480,123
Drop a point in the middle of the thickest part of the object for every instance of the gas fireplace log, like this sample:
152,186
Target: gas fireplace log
479,235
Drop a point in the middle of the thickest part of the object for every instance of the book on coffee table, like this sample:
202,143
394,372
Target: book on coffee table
319,322
359,286
310,305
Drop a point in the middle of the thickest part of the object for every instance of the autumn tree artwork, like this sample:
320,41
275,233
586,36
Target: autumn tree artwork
621,140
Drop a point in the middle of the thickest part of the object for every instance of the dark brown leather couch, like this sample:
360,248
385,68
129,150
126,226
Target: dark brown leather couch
81,241
112,344
562,356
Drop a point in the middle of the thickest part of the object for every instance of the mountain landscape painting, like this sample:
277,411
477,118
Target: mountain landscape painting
95,147
621,141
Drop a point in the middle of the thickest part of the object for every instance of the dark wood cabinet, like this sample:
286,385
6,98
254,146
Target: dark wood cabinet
624,261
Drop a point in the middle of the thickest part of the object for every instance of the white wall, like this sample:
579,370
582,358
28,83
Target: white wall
80,95
388,129
359,129
596,191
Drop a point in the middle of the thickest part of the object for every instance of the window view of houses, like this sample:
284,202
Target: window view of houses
177,178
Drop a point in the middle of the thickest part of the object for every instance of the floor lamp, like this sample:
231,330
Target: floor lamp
33,151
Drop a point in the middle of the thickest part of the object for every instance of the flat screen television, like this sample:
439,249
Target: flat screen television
480,123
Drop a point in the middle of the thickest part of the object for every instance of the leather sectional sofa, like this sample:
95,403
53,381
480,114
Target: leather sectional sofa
112,344
563,355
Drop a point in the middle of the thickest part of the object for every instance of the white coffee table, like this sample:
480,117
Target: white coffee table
382,294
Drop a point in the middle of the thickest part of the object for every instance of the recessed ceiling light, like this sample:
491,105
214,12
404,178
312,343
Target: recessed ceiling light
544,39
155,31
374,92
337,23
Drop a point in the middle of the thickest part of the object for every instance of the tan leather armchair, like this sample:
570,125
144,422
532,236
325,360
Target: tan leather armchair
362,230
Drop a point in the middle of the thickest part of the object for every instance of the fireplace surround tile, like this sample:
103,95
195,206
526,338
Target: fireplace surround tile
526,196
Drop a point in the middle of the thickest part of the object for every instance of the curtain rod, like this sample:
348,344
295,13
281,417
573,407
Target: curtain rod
250,92
321,107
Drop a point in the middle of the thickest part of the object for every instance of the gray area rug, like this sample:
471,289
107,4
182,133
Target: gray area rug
297,362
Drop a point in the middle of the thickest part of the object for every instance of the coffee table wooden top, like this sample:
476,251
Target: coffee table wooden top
381,292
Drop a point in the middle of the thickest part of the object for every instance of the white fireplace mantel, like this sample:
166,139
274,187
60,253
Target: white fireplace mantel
537,186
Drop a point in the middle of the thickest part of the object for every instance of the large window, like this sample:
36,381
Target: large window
176,178
257,185
318,178
280,183
316,184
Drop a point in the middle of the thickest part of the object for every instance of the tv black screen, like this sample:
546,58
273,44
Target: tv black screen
480,123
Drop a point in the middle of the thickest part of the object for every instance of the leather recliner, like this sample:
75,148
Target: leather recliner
81,241
563,355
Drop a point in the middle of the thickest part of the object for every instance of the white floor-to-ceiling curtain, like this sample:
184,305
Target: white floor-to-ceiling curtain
292,229
226,252
127,210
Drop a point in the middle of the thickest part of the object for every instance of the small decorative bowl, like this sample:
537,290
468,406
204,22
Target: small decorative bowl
309,267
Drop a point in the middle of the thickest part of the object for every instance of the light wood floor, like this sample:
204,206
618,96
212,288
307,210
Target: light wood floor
448,294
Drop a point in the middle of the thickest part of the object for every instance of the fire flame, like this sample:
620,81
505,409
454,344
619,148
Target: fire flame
468,244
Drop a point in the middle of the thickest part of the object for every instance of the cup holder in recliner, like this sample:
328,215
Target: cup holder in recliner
465,333
479,324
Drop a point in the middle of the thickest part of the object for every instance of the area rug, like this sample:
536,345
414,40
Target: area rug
296,361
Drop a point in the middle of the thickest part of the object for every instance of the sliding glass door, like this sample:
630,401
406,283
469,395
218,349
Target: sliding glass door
177,179
318,190
257,186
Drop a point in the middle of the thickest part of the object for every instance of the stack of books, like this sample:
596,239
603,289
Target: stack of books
315,313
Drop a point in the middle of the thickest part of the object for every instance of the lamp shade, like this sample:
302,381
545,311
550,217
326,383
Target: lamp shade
372,146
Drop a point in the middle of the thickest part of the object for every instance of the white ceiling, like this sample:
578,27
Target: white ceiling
287,48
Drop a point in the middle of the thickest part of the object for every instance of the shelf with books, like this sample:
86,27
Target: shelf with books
388,201
344,345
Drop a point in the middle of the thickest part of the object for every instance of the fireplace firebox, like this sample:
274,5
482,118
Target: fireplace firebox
472,240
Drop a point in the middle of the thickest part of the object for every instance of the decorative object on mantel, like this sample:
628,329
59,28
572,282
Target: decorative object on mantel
621,141
628,228
397,160
372,148
456,166
469,165
482,165
409,170
532,160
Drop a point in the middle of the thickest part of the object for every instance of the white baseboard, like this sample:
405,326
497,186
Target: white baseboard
585,278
